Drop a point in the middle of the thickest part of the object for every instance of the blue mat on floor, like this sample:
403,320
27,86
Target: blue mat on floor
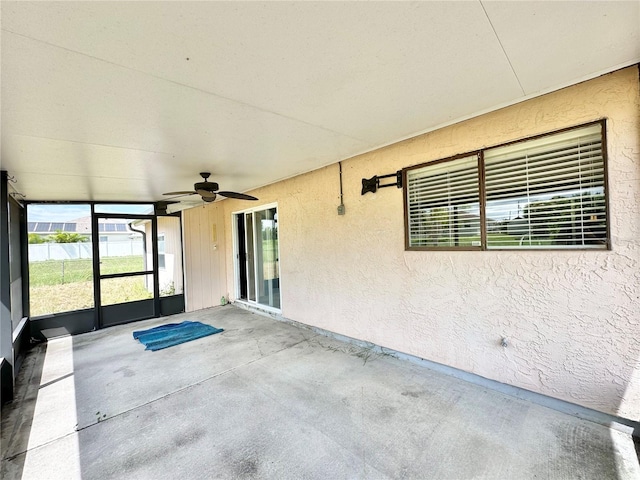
172,334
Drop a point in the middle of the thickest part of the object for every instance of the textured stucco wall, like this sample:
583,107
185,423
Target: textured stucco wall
572,317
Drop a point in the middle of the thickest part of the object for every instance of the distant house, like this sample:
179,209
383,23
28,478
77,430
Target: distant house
518,226
435,223
470,224
114,229
116,238
170,269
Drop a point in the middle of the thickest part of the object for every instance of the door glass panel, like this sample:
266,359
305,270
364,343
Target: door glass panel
267,268
122,246
250,257
60,258
169,256
241,257
126,289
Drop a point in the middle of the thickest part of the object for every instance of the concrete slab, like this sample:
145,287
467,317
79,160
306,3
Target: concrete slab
265,399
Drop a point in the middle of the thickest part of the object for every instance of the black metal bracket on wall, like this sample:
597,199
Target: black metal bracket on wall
372,184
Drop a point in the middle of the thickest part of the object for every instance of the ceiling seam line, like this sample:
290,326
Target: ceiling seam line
157,77
103,177
93,144
513,70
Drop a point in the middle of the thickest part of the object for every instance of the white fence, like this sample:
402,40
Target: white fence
39,252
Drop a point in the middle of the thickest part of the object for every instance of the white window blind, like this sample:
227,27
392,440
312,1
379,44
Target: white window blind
548,192
443,204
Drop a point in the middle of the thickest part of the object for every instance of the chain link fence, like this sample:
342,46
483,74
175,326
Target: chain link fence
39,252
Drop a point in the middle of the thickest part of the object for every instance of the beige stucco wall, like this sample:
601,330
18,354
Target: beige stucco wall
572,318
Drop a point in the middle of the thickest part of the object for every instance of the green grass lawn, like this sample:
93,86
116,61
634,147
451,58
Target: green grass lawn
269,250
61,272
65,285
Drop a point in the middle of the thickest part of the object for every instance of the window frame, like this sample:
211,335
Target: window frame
482,197
405,184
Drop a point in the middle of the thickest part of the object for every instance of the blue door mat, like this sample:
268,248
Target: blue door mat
165,336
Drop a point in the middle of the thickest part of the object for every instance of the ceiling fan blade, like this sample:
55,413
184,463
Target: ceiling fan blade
177,197
239,196
206,193
190,192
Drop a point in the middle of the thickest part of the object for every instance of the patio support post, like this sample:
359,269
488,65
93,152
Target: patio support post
6,330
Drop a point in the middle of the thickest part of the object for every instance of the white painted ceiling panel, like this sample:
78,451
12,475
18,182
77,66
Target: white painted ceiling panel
550,42
325,63
126,100
95,102
88,108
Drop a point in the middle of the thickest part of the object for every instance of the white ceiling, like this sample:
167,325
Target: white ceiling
124,101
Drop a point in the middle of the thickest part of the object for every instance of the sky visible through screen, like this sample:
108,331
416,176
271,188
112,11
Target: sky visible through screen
68,212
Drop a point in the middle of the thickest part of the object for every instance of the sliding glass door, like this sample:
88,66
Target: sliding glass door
266,265
257,256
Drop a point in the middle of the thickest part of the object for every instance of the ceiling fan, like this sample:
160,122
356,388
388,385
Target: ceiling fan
209,190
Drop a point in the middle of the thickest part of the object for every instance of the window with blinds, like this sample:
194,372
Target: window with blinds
444,204
545,193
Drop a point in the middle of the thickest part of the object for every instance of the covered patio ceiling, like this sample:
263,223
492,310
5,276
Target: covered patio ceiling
124,101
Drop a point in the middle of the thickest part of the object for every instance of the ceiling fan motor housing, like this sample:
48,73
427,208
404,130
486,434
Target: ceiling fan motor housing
206,186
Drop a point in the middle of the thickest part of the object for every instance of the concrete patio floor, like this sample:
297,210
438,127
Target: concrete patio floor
269,400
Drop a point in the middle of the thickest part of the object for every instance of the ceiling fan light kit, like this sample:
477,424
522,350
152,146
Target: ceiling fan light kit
209,191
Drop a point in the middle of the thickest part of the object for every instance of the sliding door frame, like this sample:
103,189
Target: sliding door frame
237,261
